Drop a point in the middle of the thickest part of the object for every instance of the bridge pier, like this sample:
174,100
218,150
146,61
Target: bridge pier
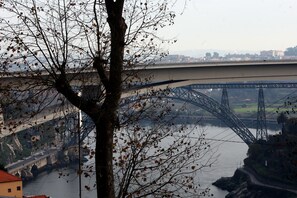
225,99
261,117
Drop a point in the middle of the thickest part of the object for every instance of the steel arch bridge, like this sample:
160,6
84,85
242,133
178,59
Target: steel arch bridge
212,106
203,101
189,95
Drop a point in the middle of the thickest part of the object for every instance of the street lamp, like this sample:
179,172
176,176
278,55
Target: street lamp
79,148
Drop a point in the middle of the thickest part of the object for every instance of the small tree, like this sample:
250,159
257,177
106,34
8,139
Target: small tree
281,119
291,125
291,51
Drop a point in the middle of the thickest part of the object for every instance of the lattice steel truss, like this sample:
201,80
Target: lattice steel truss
230,119
225,99
261,117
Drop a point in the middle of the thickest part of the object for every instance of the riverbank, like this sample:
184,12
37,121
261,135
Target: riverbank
204,120
244,184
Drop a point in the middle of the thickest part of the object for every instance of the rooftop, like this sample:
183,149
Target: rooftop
6,177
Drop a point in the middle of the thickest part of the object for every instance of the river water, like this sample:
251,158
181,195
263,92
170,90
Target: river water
229,156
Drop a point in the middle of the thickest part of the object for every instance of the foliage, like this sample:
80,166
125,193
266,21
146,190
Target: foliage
291,125
254,150
276,159
291,51
282,118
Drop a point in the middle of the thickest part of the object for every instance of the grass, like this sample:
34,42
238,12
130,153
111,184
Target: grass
252,109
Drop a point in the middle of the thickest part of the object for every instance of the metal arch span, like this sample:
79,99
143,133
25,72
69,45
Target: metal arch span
201,100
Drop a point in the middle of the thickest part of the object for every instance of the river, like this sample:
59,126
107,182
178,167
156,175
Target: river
229,156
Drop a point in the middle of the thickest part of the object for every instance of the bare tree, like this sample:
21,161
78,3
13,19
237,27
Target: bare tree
159,155
66,44
156,153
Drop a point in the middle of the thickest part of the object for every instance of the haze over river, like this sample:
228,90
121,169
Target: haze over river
230,156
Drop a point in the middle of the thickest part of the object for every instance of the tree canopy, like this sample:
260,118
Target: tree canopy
291,51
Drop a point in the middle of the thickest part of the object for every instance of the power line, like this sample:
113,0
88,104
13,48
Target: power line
222,140
272,113
286,96
218,140
220,133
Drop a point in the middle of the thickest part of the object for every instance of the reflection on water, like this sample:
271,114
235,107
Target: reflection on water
64,183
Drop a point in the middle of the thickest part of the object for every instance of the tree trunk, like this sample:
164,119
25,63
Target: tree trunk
104,116
105,124
103,157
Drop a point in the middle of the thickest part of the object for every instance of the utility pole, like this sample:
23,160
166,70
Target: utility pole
79,152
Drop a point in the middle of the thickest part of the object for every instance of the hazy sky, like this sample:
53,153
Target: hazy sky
235,25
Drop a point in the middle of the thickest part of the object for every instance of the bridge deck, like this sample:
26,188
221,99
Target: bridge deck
208,72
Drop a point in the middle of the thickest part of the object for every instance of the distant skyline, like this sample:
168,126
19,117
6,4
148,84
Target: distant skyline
233,25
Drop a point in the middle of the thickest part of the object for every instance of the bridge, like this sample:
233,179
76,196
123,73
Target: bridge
14,126
212,74
209,72
184,88
195,76
38,160
219,110
177,74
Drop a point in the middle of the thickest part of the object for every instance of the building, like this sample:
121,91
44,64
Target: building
10,186
272,53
